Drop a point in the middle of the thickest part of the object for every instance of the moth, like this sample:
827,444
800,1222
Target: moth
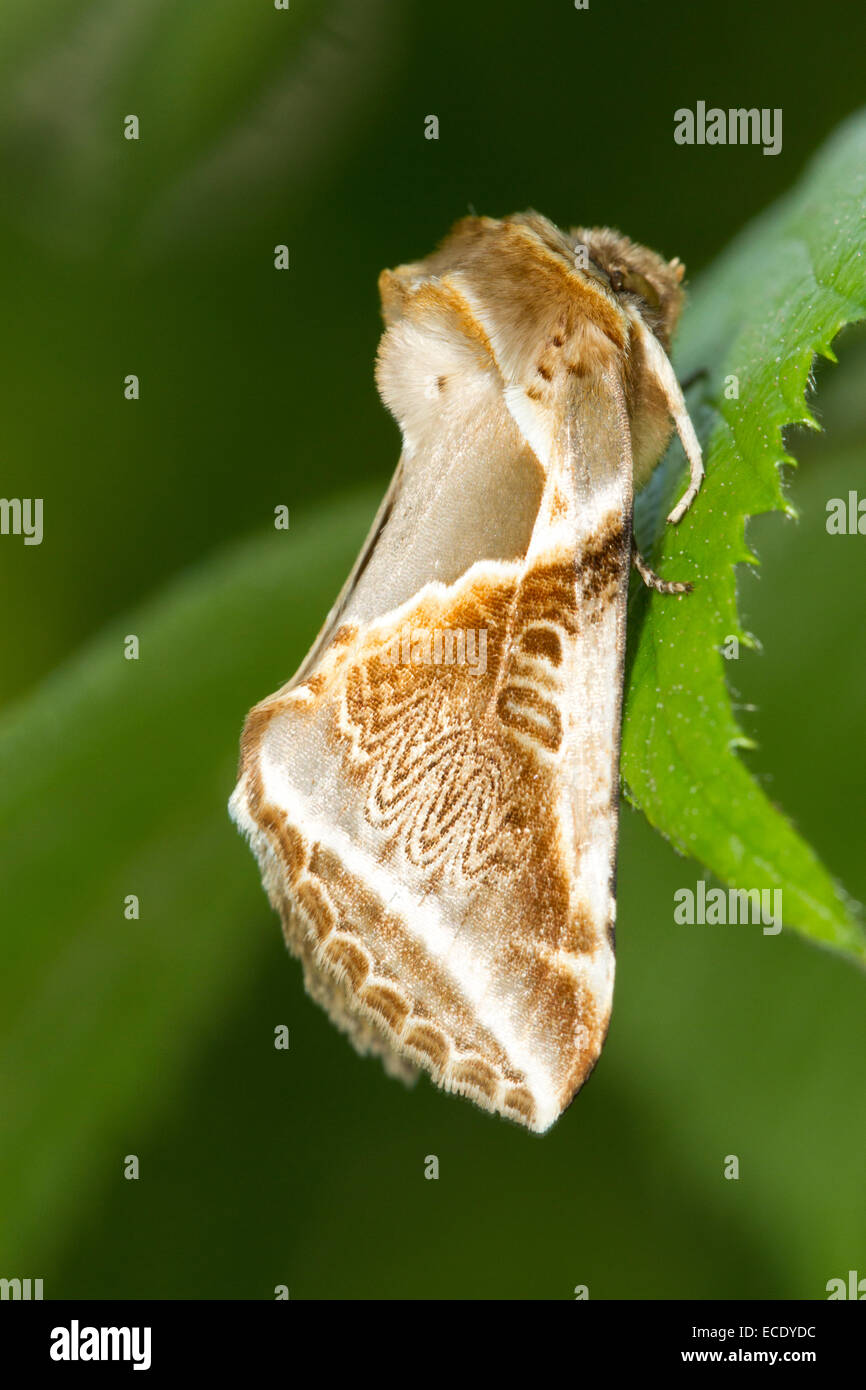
438,830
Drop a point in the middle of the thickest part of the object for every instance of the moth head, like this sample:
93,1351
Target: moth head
649,283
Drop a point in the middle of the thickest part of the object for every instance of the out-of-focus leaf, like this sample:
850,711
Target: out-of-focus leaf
233,101
114,779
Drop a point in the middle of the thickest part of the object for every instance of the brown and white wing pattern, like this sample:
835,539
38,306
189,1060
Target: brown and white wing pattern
433,800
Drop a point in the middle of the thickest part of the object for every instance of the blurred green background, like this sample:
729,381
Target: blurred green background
155,1037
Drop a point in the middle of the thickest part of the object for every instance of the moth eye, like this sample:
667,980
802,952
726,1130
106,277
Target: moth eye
638,284
617,280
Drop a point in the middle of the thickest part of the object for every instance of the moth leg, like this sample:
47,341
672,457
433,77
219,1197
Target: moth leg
661,369
689,440
688,497
653,580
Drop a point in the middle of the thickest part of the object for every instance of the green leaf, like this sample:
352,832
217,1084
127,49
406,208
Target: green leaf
777,297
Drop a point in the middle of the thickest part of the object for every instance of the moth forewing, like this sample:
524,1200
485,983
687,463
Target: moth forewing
438,830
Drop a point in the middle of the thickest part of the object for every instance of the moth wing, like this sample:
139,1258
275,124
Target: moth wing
437,827
344,597
433,799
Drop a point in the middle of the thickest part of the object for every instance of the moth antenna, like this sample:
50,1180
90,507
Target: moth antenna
659,364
